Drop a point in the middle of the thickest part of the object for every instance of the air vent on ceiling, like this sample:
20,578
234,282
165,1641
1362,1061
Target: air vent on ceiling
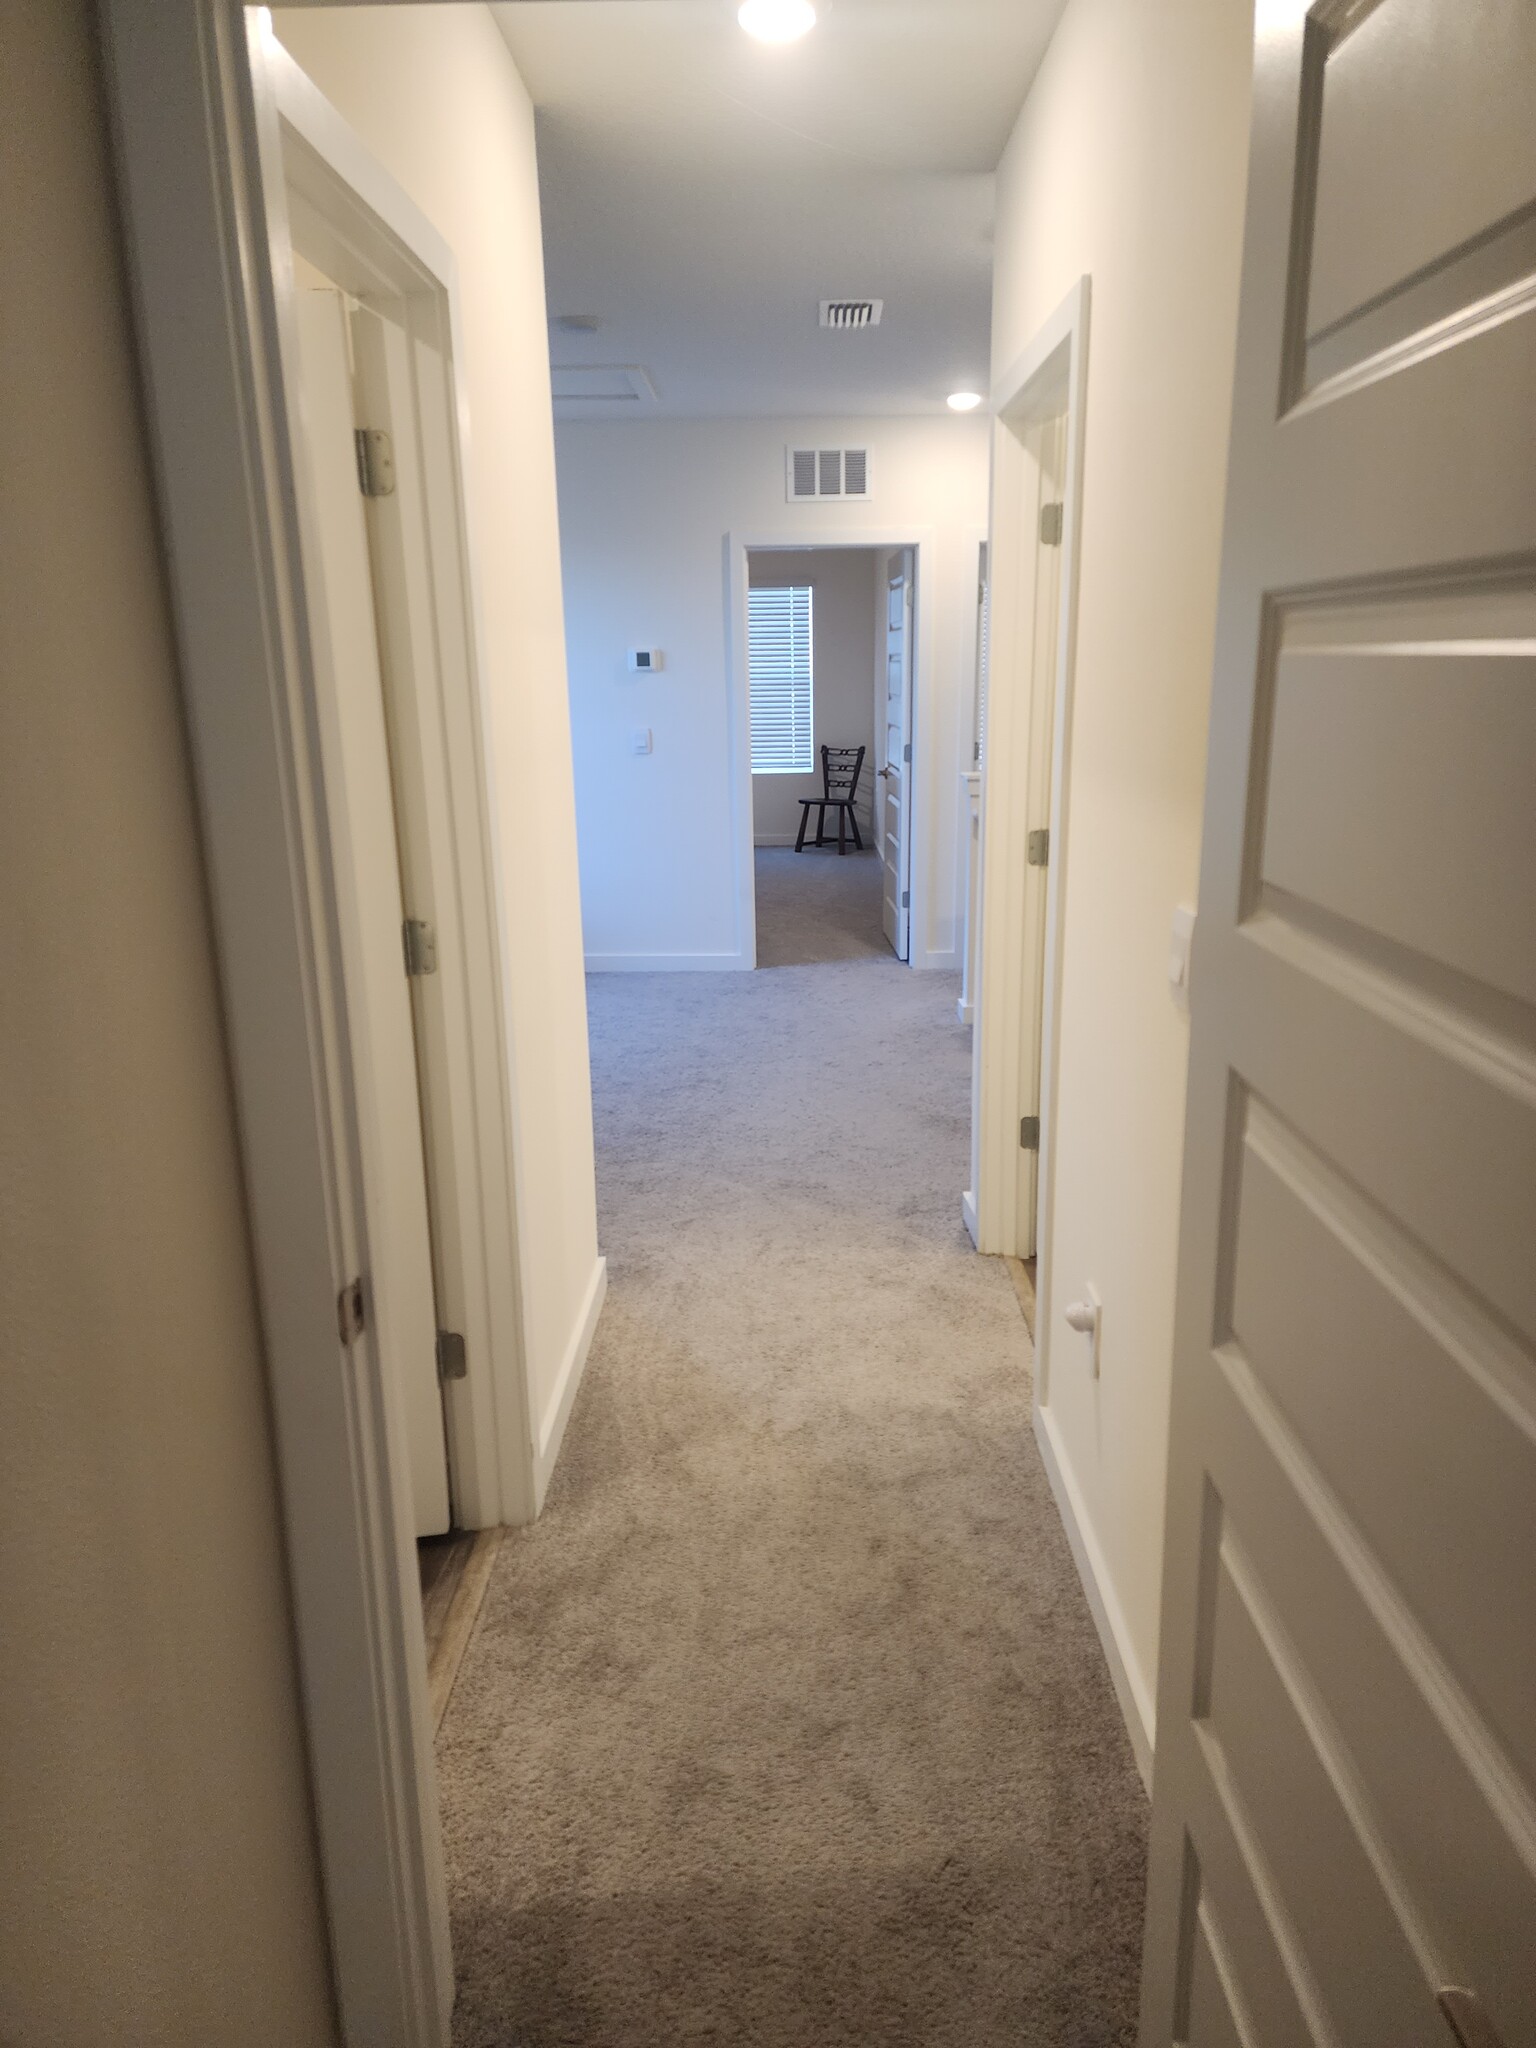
826,473
851,313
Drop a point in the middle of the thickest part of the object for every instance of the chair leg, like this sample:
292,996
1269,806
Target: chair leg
805,819
821,824
853,820
842,830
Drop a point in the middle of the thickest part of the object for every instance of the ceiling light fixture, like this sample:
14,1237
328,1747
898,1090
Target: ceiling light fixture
964,401
777,21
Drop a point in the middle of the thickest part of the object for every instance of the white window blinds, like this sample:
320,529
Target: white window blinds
779,669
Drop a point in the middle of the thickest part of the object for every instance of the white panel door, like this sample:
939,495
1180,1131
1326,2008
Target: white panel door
1046,443
360,797
1344,1819
893,800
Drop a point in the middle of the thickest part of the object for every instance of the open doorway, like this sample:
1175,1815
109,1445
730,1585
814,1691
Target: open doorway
830,641
367,296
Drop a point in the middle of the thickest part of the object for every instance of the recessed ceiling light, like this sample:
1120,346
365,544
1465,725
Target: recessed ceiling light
964,401
777,21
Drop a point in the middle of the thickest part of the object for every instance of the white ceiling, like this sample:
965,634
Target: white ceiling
703,193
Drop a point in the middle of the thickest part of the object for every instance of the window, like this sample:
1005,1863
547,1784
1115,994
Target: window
779,665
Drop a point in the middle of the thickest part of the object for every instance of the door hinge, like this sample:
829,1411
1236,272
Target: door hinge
452,1363
906,899
1029,1133
375,462
420,942
351,1317
1050,525
906,752
1038,848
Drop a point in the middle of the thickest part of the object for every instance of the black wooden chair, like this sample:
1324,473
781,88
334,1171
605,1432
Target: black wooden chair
841,768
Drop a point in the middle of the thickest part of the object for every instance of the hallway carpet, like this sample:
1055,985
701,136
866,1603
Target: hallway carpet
787,1725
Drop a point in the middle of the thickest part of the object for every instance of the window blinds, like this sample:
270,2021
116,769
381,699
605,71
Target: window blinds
779,670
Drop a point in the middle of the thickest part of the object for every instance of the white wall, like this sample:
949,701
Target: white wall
157,1865
434,94
645,508
843,694
1129,163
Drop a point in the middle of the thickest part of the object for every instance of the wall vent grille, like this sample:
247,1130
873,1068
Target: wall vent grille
817,474
847,315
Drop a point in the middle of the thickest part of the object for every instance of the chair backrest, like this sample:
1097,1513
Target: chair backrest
840,771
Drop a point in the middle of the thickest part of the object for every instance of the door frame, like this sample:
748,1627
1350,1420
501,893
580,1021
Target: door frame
334,203
199,95
922,540
1014,999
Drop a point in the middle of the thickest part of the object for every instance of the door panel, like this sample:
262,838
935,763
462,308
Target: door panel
1345,1779
1402,177
1046,443
894,773
360,797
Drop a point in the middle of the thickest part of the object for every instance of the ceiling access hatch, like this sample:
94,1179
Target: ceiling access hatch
616,384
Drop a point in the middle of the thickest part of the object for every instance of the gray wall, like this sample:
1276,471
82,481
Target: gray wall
156,1860
843,705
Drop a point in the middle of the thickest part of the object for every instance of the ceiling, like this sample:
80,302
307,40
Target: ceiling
702,193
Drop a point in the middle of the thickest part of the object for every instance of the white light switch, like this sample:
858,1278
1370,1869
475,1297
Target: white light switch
640,739
1181,943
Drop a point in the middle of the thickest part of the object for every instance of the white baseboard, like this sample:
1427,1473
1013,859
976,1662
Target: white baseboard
965,1011
968,1217
551,1433
1131,1688
936,963
666,963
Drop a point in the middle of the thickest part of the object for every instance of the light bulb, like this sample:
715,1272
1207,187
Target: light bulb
777,21
964,401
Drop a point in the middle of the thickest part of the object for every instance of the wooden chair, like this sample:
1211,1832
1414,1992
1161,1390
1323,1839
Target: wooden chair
840,771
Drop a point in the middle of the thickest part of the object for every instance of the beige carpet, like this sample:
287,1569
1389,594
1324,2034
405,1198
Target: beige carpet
818,906
787,1725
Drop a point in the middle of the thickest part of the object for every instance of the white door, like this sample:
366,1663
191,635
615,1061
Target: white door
893,801
1344,1820
1046,443
357,767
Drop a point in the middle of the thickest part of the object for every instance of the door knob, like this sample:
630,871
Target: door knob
1468,2021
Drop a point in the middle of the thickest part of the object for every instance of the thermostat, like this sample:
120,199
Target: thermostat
646,659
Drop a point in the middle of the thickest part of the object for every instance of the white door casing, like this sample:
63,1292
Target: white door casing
1344,1817
197,161
894,768
339,210
365,848
1026,785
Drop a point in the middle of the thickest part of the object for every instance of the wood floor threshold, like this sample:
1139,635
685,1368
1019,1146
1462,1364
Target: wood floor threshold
446,1651
1022,1273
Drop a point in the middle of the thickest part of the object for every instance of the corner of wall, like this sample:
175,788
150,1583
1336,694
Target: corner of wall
550,1432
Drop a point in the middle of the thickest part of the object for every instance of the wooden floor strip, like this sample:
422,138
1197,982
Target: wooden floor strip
446,1654
1022,1273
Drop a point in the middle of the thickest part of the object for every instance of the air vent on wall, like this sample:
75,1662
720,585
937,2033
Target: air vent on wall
826,473
850,313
